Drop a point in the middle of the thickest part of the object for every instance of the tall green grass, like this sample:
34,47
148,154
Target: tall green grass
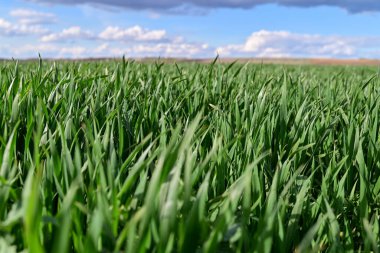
132,157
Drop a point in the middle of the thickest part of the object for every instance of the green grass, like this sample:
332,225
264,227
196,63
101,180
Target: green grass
135,157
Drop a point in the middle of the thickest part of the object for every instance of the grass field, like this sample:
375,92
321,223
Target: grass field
120,156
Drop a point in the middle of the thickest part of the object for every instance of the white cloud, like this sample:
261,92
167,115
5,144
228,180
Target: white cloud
72,52
110,33
155,50
32,17
53,50
137,41
10,29
102,48
286,44
47,50
32,50
72,33
135,33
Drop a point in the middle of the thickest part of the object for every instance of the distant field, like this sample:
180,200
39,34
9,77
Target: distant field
121,156
282,61
300,61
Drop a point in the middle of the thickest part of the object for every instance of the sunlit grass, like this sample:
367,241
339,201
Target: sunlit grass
135,157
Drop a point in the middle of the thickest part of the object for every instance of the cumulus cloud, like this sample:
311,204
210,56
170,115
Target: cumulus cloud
51,50
48,50
164,5
32,49
155,50
286,44
75,52
32,17
136,33
110,33
9,29
259,44
71,33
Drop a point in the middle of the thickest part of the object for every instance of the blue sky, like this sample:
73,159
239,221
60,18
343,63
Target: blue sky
190,28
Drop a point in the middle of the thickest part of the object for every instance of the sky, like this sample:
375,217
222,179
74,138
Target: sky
190,28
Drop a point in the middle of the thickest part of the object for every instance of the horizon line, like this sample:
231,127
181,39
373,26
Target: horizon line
257,60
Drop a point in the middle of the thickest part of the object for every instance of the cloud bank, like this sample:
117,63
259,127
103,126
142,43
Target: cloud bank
51,50
11,29
73,43
132,33
138,41
286,44
32,17
354,6
71,33
110,33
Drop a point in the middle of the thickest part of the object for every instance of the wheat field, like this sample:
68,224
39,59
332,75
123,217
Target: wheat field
124,156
